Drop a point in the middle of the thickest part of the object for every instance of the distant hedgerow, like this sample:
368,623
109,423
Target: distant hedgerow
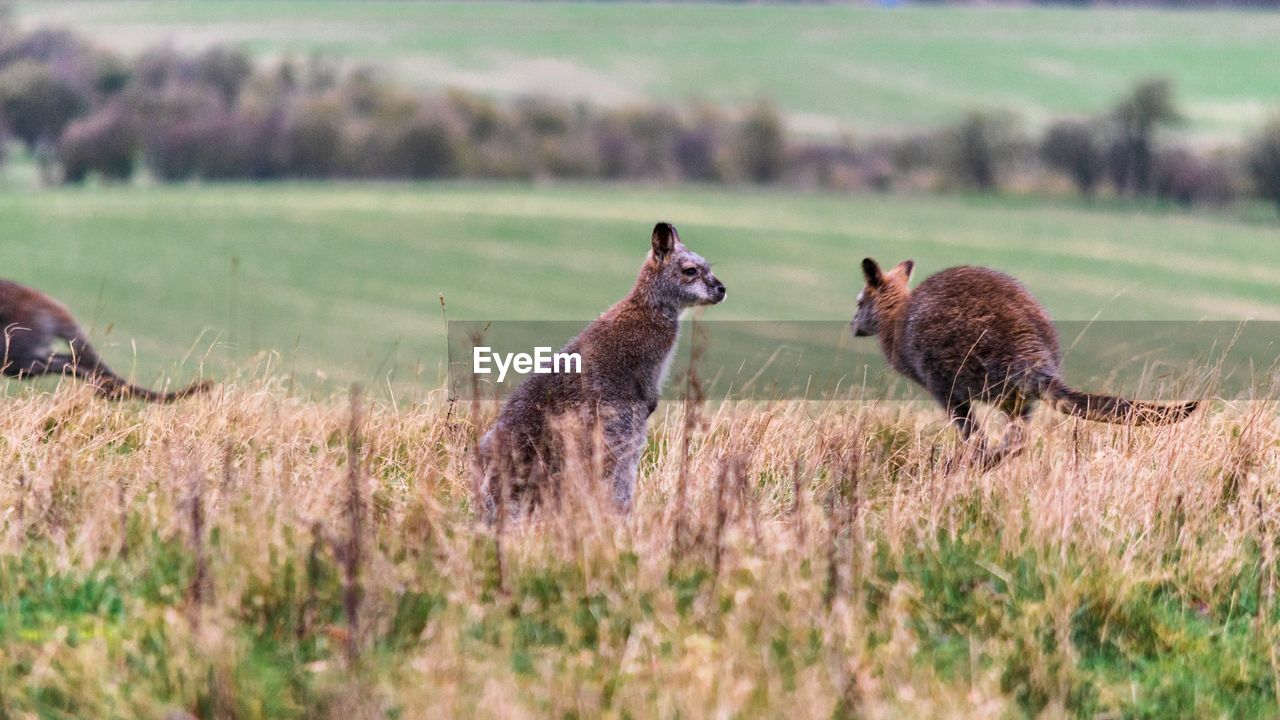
219,115
1263,160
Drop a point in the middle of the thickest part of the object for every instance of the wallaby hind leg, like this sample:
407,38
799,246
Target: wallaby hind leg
623,479
624,438
973,445
24,352
1019,408
20,369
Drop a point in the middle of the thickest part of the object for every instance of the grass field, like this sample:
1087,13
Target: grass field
829,68
198,559
345,280
272,551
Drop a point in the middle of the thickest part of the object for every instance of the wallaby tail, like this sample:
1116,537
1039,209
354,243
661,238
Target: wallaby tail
1111,409
110,385
123,390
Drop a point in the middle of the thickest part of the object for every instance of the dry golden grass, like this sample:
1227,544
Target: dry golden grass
199,559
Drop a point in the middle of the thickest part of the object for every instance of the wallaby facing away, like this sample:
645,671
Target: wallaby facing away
32,322
972,334
625,356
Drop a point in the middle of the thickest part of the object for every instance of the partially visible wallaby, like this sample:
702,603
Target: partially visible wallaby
972,334
33,322
625,353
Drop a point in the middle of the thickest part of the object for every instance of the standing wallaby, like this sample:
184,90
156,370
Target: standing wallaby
972,334
32,322
625,356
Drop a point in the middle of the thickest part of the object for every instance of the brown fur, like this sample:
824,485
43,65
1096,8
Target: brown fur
970,334
33,322
625,356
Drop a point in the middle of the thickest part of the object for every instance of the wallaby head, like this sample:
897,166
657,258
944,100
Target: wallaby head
676,277
885,294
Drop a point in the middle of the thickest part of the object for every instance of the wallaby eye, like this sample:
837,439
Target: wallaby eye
690,271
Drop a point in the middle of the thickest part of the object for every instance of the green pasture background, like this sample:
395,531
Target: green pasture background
344,281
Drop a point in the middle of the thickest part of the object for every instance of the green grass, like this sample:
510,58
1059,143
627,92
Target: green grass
1143,649
854,68
346,279
1104,573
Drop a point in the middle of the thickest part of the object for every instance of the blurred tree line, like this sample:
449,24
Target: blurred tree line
1120,148
215,116
84,112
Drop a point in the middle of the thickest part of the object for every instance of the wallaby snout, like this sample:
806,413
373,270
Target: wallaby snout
718,291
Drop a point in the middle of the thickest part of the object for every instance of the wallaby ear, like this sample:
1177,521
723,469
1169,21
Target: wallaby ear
665,240
905,267
871,271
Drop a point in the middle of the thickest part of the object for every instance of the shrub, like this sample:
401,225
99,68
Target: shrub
481,116
911,161
250,146
979,148
159,67
653,133
421,147
702,147
239,144
225,70
362,95
761,148
877,171
312,141
36,103
174,149
1118,165
49,47
1074,148
1136,118
566,157
222,145
502,161
696,154
1188,179
914,152
82,65
107,73
542,118
1262,156
105,142
177,122
618,152
824,165
1148,105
